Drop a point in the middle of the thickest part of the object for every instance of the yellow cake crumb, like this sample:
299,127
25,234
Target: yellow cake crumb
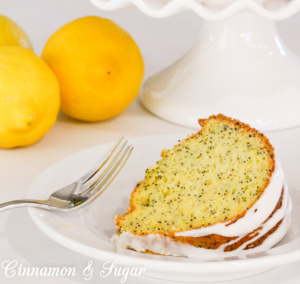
213,176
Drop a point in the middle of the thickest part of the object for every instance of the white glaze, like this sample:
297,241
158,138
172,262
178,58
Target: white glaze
167,246
253,219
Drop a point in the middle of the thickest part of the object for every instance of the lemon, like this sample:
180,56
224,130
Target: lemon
99,67
11,34
29,97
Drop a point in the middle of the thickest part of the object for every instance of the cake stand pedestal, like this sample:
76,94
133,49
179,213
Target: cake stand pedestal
239,66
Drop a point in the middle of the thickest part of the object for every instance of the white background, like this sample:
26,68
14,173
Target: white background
161,41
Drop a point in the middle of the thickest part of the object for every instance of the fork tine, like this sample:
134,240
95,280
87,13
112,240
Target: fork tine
102,162
102,183
101,171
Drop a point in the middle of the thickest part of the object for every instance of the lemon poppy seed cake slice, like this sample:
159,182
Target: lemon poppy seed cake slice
220,190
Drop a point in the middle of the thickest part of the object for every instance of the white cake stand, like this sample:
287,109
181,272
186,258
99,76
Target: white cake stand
239,66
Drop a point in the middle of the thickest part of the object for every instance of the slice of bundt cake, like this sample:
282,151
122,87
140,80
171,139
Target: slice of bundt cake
217,190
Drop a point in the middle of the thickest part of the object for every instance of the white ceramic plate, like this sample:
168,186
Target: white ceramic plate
89,230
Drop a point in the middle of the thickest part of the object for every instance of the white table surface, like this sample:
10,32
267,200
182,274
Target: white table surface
161,42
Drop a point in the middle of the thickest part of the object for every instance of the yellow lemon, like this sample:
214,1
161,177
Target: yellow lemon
11,34
99,67
29,97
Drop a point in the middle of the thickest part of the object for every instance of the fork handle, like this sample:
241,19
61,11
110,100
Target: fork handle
22,203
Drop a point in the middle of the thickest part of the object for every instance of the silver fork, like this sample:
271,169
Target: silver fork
87,188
